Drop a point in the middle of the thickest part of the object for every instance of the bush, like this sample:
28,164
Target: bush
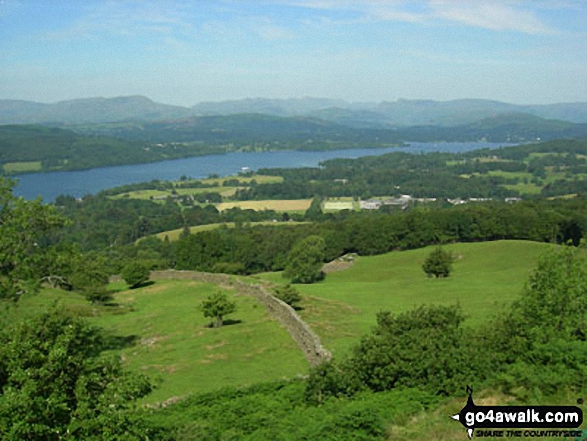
438,263
135,274
54,382
217,306
423,348
288,294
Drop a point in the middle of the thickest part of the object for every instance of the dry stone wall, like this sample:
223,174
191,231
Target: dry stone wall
302,334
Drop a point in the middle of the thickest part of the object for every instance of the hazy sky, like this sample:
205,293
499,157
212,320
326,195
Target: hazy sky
184,52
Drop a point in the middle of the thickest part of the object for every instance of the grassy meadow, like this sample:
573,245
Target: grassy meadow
485,276
162,334
22,167
213,185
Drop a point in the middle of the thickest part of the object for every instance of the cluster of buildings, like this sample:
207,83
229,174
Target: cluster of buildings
402,202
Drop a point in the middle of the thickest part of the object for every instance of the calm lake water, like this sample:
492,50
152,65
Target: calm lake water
80,183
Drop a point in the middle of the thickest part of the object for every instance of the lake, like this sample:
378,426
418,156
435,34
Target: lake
80,183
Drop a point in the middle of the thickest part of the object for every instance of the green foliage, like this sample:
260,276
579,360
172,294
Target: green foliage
54,384
89,275
546,368
217,306
554,302
423,348
25,252
135,274
305,260
540,344
278,411
438,263
314,212
288,294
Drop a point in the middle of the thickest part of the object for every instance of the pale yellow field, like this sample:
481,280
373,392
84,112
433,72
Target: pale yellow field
174,234
338,205
277,205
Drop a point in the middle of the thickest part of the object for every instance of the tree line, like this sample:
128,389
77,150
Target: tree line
255,249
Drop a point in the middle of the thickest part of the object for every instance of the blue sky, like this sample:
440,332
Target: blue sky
183,52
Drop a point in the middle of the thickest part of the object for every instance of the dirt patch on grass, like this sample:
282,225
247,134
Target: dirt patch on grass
216,346
217,357
340,264
152,341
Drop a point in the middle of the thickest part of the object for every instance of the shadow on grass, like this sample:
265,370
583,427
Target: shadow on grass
114,342
143,285
227,322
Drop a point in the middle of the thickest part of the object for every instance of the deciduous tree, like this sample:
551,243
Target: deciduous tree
135,274
438,263
54,384
305,260
217,306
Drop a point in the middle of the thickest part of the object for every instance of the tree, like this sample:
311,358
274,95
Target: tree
314,211
554,301
55,384
304,261
216,306
25,227
135,274
288,294
89,275
423,348
438,263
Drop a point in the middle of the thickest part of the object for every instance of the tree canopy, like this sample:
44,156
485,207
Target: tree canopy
304,262
24,245
438,263
55,384
217,306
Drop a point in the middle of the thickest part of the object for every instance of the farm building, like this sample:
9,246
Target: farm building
371,204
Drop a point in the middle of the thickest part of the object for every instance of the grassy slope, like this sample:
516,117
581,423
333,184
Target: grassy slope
169,339
174,234
344,306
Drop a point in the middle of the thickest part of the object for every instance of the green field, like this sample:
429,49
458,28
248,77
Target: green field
22,167
486,275
261,179
158,194
169,340
214,185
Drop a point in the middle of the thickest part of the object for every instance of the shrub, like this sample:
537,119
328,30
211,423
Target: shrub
135,274
288,294
438,263
217,306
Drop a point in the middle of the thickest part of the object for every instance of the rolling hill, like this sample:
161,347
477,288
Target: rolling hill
387,114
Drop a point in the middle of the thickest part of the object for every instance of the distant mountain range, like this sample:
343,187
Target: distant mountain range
397,114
